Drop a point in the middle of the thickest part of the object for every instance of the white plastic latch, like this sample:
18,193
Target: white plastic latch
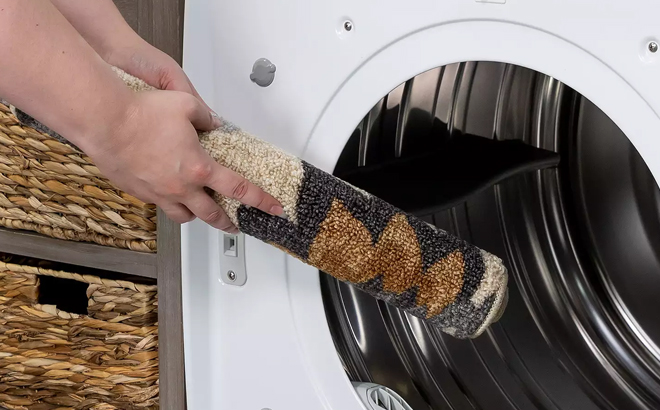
377,397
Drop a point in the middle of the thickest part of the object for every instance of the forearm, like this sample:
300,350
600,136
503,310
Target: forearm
49,71
100,23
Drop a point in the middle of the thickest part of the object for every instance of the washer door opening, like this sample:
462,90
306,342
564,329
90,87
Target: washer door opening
581,240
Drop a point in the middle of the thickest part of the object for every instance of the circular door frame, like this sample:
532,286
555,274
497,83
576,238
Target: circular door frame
483,40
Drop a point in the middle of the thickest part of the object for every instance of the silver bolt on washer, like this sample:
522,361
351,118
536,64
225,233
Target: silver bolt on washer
653,46
348,25
231,275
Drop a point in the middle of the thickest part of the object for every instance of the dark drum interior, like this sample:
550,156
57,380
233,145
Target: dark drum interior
579,230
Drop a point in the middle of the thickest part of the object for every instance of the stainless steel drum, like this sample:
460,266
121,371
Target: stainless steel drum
581,240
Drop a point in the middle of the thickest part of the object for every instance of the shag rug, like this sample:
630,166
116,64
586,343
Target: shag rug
357,238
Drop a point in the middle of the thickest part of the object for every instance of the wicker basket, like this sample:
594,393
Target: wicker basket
52,359
52,188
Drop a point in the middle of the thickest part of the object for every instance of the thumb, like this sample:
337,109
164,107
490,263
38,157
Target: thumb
196,94
199,115
177,80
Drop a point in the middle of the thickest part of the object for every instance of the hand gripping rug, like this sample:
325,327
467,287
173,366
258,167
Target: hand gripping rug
355,237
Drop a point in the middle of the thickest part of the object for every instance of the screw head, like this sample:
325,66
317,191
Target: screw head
653,46
231,275
348,25
263,72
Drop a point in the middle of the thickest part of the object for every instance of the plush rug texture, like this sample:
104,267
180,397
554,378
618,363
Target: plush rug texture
355,237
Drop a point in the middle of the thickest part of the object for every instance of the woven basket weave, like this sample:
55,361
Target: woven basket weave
51,359
53,188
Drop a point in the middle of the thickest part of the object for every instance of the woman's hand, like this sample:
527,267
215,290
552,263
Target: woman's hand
156,156
104,28
144,61
146,143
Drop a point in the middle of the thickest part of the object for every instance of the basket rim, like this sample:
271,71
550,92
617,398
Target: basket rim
53,188
84,278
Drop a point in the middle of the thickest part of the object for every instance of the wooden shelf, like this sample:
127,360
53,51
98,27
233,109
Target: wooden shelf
78,253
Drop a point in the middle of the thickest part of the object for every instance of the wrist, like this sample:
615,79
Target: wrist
100,23
98,131
119,51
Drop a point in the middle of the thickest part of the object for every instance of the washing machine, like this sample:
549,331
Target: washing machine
349,84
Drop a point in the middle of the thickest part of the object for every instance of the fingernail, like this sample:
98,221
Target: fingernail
233,230
217,122
277,210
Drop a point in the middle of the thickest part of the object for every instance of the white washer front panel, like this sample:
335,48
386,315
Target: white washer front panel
267,345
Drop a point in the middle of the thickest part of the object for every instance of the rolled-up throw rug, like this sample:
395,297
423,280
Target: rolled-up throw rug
356,237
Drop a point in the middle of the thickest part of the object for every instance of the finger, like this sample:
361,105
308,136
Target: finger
205,208
178,213
228,183
196,94
200,116
174,79
177,80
